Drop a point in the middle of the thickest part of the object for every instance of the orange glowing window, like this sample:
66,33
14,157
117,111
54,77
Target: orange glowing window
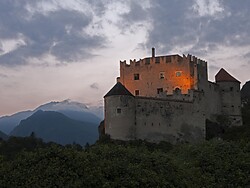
178,73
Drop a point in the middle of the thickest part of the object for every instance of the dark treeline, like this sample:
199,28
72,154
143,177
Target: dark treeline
28,162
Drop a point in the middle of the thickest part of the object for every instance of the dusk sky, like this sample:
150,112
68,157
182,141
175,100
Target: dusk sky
51,50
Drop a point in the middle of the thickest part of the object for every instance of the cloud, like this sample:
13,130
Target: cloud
3,75
193,26
94,86
208,7
59,32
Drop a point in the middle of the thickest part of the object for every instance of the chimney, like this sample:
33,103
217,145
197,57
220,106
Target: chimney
153,52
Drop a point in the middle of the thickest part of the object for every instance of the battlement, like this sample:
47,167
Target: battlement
196,60
163,60
176,95
152,60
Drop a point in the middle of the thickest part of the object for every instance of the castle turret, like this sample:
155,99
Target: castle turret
230,96
120,113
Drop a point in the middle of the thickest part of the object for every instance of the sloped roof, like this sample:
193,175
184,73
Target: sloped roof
224,76
118,89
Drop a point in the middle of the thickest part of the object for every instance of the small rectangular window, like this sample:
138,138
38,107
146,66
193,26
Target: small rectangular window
178,73
159,90
162,75
231,88
136,76
118,110
137,92
157,60
168,59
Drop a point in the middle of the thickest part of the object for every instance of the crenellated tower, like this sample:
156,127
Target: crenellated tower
153,75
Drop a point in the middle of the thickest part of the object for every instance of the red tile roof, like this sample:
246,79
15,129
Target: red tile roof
224,76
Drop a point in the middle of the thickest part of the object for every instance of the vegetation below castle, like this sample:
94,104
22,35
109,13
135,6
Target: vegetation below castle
29,162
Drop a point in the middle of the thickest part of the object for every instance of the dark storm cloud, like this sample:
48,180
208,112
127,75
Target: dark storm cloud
60,33
178,23
136,13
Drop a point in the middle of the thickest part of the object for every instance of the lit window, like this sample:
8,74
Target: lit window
159,90
178,73
118,110
136,76
162,75
137,92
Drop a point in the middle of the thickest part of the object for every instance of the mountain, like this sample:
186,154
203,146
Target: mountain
8,123
56,127
245,91
3,136
74,110
71,109
98,111
66,104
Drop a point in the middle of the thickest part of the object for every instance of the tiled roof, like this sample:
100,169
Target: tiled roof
224,76
118,89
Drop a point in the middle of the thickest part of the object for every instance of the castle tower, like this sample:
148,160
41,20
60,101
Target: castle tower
153,75
230,96
119,113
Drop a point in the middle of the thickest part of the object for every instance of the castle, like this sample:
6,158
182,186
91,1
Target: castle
169,98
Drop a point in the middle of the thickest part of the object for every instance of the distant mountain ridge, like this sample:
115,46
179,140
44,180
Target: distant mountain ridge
8,123
66,104
56,127
72,109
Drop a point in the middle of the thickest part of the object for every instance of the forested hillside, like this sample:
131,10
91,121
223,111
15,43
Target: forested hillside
28,162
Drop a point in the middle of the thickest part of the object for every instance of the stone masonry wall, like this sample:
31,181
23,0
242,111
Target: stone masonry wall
172,121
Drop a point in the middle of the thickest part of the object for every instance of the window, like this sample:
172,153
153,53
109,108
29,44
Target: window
159,90
157,60
168,59
162,75
231,88
137,92
136,76
178,73
118,110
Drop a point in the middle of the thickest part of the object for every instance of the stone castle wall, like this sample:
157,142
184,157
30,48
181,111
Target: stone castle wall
169,120
176,112
155,119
